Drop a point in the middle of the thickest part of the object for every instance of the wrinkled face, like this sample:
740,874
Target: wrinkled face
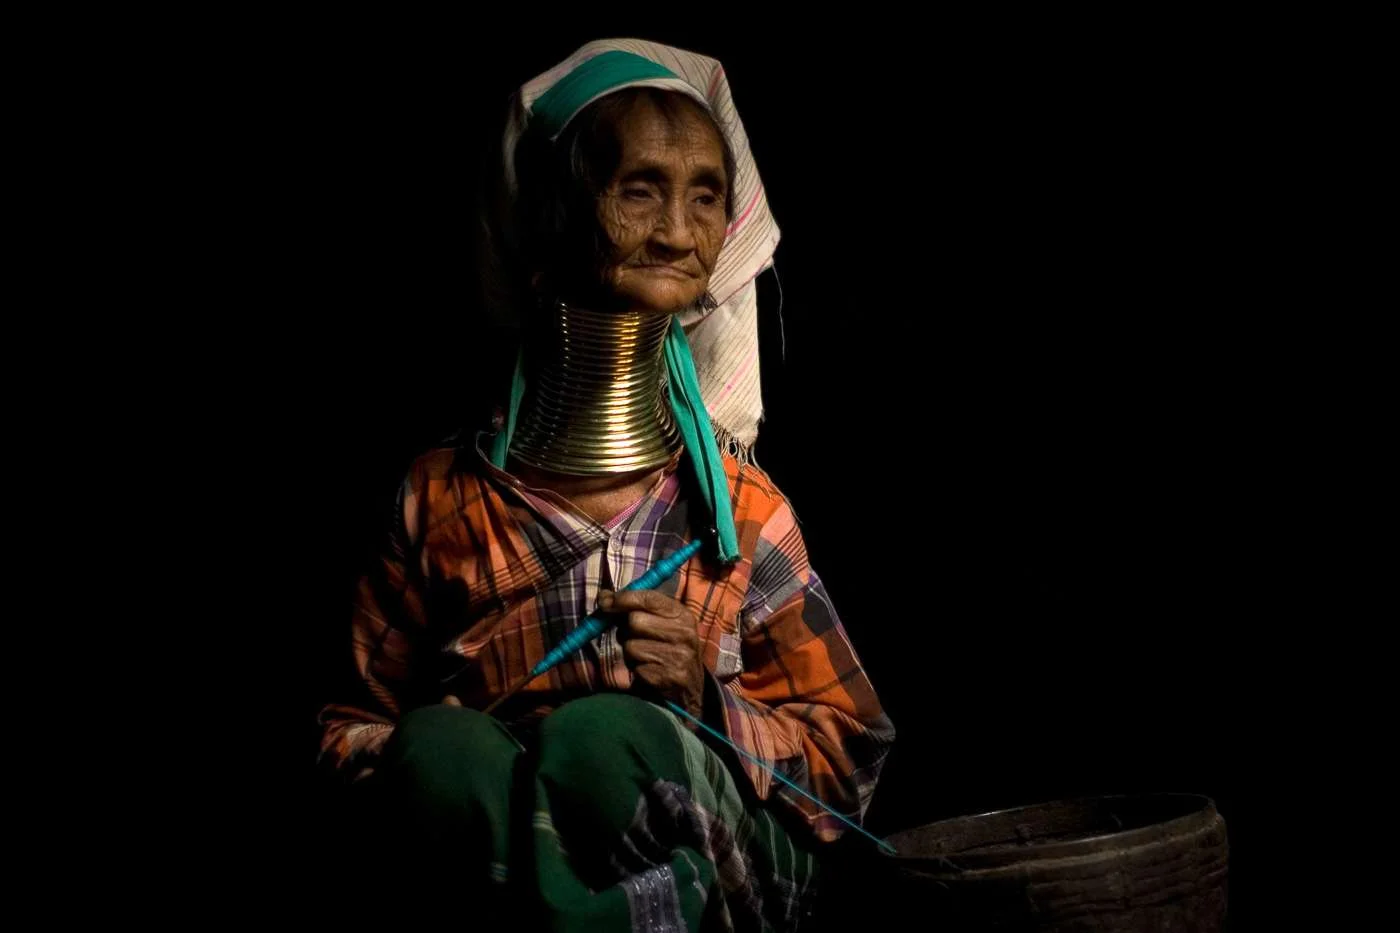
663,211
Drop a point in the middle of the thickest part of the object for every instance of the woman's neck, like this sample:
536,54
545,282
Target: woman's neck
601,498
595,415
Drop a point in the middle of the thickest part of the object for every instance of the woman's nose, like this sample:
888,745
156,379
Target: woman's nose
673,227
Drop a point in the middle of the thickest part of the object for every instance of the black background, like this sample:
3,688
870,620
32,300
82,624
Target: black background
1023,397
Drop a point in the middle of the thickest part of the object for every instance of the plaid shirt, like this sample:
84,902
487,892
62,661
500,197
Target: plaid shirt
483,575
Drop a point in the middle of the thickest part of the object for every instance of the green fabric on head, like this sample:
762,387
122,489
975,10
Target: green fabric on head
600,74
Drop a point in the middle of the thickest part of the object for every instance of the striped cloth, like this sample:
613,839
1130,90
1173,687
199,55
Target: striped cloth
483,576
723,342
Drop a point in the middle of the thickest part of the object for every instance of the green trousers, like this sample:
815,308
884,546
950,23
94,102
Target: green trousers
619,818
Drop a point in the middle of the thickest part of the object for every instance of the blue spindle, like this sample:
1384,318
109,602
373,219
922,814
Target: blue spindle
594,625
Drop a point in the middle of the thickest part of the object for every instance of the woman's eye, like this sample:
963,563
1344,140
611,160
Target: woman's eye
636,194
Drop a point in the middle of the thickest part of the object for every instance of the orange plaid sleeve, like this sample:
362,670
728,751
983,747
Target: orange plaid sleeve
388,623
802,703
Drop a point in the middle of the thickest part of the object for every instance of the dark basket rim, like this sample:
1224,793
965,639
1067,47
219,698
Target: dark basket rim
1199,813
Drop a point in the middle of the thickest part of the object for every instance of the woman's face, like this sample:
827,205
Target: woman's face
664,209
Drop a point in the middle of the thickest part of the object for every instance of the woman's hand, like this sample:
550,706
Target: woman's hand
660,644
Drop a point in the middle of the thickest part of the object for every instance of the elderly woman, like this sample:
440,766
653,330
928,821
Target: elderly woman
633,785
